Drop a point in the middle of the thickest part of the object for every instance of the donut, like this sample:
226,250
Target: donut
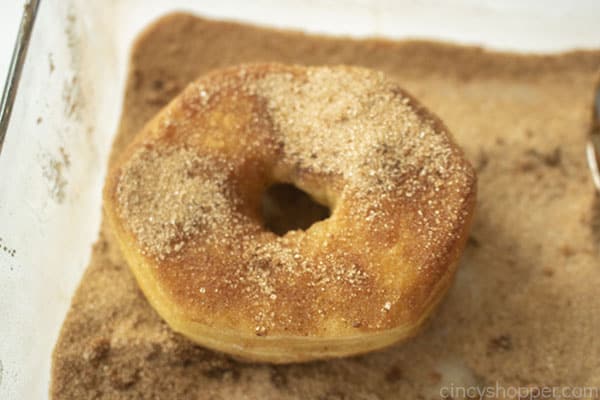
184,203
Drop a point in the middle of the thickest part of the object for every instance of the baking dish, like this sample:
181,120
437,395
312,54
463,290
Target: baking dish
67,106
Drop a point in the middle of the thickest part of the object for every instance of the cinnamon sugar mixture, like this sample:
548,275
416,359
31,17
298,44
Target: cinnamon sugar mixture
337,120
523,309
347,134
165,202
368,135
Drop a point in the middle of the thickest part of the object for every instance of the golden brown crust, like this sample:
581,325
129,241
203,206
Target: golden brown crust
184,203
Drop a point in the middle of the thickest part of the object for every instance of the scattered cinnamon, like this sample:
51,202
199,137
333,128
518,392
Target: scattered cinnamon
114,346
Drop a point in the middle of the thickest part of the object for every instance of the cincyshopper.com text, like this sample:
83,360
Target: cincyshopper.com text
519,392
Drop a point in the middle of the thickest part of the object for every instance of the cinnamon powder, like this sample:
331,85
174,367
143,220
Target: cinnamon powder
523,310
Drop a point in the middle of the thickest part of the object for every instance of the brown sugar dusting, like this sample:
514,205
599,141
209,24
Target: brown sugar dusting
113,345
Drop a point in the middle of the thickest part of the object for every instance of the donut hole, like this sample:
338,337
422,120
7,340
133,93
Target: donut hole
285,208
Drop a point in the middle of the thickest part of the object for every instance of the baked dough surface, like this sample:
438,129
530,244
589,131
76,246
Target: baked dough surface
185,200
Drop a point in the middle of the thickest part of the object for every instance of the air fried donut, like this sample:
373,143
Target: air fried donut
184,202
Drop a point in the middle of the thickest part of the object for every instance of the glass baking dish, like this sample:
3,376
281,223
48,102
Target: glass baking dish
67,107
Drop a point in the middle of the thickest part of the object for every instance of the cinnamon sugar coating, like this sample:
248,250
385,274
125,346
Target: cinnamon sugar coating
186,195
520,311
